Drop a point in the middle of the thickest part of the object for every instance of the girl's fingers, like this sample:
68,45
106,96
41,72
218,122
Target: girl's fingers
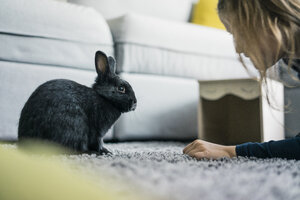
188,148
200,155
193,152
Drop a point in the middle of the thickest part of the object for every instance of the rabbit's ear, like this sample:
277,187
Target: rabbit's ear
101,62
112,65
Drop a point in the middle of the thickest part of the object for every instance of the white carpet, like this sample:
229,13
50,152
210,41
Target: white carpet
160,169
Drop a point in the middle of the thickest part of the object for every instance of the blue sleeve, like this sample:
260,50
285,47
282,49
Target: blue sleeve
289,149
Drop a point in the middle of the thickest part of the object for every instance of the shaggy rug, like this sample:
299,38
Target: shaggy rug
159,170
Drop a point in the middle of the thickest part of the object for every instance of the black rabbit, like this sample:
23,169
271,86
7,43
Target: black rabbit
76,116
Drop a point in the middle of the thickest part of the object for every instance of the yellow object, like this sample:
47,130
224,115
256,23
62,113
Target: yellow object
205,13
29,177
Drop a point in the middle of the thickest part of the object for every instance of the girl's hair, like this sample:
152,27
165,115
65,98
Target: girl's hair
255,24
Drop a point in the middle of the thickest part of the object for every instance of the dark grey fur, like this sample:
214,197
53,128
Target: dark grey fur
76,116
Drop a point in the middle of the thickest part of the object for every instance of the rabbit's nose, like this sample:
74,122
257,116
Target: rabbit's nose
133,101
133,107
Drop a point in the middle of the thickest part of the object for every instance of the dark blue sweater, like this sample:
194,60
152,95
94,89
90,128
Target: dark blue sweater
289,148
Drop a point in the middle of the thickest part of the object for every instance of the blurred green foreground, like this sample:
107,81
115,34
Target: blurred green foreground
24,176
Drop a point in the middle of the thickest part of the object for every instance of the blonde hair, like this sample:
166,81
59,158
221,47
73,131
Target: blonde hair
255,24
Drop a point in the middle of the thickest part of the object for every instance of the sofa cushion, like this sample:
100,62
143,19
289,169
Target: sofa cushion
205,13
154,46
52,33
178,10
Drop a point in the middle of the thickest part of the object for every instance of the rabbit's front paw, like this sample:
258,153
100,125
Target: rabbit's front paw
104,151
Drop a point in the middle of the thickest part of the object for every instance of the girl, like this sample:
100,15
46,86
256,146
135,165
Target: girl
266,31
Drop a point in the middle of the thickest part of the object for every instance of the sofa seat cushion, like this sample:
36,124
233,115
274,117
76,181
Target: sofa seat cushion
154,46
52,33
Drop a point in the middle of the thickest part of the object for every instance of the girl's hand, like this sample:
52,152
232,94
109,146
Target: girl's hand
202,149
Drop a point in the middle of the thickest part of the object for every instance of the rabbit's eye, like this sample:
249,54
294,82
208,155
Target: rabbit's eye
121,89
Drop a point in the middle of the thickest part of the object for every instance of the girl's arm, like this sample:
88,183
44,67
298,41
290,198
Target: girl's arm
289,149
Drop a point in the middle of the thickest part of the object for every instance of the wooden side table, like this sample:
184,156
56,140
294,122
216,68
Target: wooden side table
236,111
